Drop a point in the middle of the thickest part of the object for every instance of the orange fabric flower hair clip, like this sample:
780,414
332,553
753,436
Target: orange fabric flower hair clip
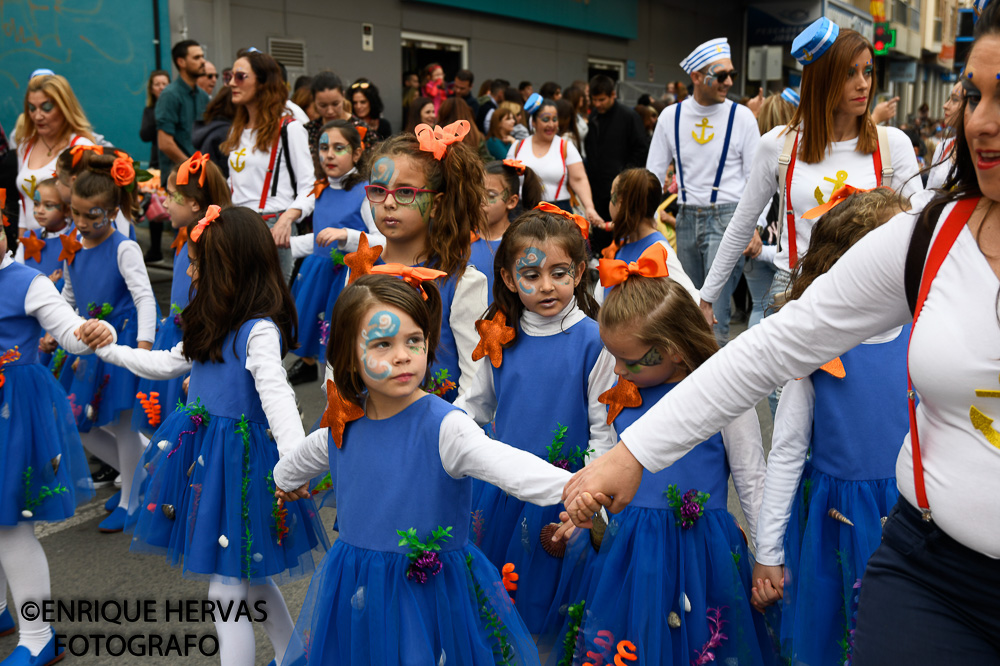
437,139
362,132
211,215
78,151
122,170
516,165
194,164
652,263
415,276
581,223
836,199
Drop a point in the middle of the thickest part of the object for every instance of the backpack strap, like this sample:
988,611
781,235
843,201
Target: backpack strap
677,153
288,163
785,169
562,152
270,167
883,158
916,255
517,149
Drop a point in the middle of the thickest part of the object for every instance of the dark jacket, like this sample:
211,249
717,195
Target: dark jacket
207,137
147,132
616,141
483,110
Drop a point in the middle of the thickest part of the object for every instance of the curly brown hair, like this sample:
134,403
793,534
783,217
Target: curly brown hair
270,98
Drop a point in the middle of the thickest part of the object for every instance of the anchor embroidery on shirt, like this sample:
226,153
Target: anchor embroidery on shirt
30,186
703,125
983,423
236,162
840,181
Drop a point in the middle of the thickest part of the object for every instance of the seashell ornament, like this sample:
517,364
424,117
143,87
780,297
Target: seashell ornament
27,514
55,463
168,511
163,445
90,413
553,548
191,469
597,531
838,516
674,620
224,541
883,519
685,603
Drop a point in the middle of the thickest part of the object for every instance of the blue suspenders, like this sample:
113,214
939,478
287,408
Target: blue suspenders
722,160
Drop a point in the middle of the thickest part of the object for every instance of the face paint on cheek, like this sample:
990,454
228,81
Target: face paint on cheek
423,202
417,350
324,142
532,257
634,368
97,225
383,172
340,149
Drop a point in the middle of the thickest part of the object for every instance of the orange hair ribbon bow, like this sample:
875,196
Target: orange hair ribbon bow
415,276
211,215
77,152
436,140
581,222
652,263
516,165
836,199
194,164
362,132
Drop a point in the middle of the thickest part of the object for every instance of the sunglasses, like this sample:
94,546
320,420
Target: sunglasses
360,85
211,76
722,76
404,196
239,77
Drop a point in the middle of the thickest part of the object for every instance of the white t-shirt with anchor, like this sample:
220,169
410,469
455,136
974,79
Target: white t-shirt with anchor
248,167
812,184
702,134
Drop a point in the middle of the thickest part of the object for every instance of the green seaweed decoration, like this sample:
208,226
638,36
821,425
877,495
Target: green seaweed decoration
324,484
574,616
424,560
503,653
337,257
243,428
33,500
279,513
440,383
95,311
58,360
559,453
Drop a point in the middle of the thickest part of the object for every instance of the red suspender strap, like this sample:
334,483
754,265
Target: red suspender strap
877,159
562,151
793,255
270,167
939,251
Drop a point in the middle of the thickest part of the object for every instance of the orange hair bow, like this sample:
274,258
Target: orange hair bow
516,165
836,199
415,276
436,140
194,164
652,263
581,222
362,132
77,152
211,215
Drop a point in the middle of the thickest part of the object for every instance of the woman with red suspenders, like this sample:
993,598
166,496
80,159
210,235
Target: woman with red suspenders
931,592
270,167
831,141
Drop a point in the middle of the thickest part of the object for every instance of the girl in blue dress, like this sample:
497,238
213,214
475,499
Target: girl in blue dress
45,473
509,184
40,249
635,195
671,583
106,279
192,187
404,583
831,476
340,216
209,501
539,332
71,163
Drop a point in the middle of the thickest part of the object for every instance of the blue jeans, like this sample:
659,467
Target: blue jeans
759,275
778,287
699,234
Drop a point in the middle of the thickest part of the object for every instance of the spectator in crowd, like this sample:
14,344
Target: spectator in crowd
293,108
486,109
525,89
367,106
520,130
680,92
421,111
500,138
568,128
434,85
303,98
158,80
211,131
454,109
328,98
648,117
462,88
577,96
411,90
551,90
180,104
208,80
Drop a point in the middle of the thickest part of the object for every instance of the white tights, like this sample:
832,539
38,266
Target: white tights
237,646
119,446
24,561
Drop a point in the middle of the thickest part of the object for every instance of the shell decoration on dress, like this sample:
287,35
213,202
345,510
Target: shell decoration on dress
839,517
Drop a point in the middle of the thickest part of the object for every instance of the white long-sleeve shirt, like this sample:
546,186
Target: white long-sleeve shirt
248,168
133,270
954,362
940,165
56,317
700,161
810,183
789,445
465,450
263,356
480,401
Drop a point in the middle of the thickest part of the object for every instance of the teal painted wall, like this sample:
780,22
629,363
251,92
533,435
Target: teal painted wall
103,47
618,18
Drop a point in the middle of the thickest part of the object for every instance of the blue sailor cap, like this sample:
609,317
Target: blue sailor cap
978,7
790,96
707,53
532,103
814,40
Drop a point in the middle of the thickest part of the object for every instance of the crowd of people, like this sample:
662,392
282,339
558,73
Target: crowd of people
492,297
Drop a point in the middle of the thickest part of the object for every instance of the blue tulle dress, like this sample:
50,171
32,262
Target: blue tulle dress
859,423
507,529
98,391
169,334
209,501
369,603
335,208
651,567
632,251
481,256
44,475
48,262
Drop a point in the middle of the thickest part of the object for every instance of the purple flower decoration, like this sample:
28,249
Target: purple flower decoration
561,464
424,560
324,331
429,562
415,574
688,507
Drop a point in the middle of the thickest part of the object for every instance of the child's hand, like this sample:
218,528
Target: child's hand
302,492
94,334
331,235
668,219
587,505
47,344
56,275
564,531
768,585
185,383
754,246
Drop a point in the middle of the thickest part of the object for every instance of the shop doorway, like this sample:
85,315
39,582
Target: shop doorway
420,50
612,68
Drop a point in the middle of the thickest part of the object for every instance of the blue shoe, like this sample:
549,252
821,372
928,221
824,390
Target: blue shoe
7,623
113,501
21,656
115,522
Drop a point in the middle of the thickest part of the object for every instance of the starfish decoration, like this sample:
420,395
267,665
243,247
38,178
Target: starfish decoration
32,247
835,368
493,335
70,246
318,187
361,260
178,244
339,413
621,395
3,204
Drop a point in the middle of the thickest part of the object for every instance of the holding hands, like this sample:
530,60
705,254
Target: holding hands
301,492
768,585
610,481
92,333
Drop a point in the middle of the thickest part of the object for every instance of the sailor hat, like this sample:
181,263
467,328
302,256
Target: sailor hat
814,40
707,53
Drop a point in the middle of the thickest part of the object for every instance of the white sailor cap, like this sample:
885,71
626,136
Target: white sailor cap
814,40
790,96
41,72
707,53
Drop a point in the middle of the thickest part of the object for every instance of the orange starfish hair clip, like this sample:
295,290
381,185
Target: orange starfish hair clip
493,335
361,261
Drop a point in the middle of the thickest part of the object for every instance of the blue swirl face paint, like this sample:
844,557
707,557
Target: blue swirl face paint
383,172
530,260
382,325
